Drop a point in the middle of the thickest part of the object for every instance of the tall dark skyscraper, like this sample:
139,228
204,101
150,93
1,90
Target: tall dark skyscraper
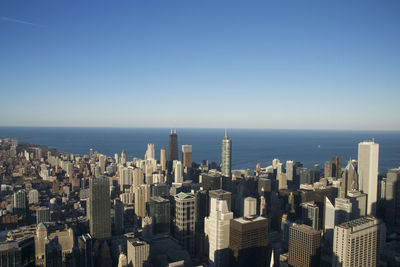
173,146
337,167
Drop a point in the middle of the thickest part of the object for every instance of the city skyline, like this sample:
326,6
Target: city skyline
266,65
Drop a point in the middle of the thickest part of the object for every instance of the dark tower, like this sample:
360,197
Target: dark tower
172,149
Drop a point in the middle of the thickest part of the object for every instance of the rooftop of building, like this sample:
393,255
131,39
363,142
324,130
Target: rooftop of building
305,228
159,199
183,195
250,219
359,223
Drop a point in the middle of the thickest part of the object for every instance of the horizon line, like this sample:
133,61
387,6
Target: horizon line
205,128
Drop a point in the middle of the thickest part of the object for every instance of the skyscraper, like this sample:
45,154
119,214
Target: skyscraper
310,214
226,156
328,169
337,167
185,220
160,213
138,252
187,156
368,157
248,240
250,206
392,198
173,147
356,243
99,207
216,227
304,246
142,196
150,152
43,215
289,170
163,160
178,172
222,195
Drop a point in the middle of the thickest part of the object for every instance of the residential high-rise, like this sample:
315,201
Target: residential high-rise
337,167
150,152
185,220
33,196
138,252
250,207
19,200
221,195
173,147
310,214
43,215
356,243
328,169
118,217
163,161
99,207
102,163
289,170
217,228
160,213
248,240
304,246
392,197
142,196
226,156
178,172
368,157
187,156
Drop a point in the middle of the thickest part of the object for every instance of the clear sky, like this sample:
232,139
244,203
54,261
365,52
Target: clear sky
167,63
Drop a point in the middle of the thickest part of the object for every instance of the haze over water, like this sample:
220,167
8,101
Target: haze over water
250,146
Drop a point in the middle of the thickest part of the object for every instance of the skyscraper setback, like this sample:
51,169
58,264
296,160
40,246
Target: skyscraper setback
226,156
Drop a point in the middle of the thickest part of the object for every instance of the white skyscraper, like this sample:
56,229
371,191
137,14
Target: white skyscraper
178,172
250,206
216,227
150,152
368,157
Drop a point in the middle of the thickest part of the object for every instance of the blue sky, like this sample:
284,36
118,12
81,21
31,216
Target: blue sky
235,64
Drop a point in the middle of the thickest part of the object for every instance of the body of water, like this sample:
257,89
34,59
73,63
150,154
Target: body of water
249,146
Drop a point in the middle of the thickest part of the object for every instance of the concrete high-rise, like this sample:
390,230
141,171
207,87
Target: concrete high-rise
99,207
173,147
217,228
187,156
392,197
250,207
289,170
328,169
248,240
337,167
221,195
178,172
138,252
150,152
304,246
43,215
142,196
226,156
185,220
368,157
356,243
163,161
